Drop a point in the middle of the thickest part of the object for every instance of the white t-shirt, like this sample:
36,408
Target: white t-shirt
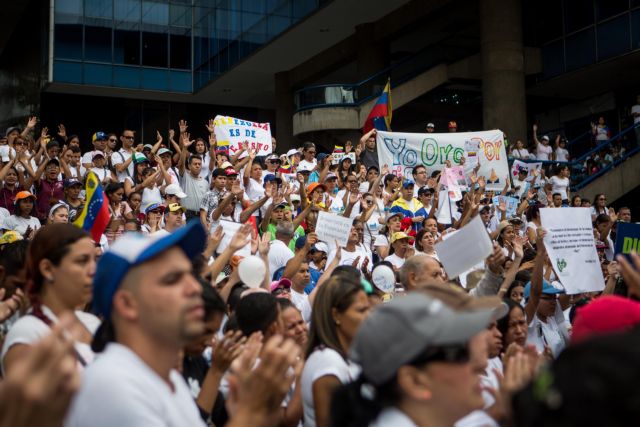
543,334
308,165
20,224
29,329
559,185
395,260
323,362
301,301
102,173
543,151
279,255
206,160
521,153
392,416
347,257
119,389
562,154
195,189
120,157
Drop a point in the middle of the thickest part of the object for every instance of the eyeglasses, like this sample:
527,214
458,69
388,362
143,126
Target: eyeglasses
351,181
113,140
602,199
128,137
280,291
369,201
312,151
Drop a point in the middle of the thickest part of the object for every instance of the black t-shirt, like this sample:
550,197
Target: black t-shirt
194,370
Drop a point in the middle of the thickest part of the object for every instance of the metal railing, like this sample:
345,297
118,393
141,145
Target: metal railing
353,94
580,177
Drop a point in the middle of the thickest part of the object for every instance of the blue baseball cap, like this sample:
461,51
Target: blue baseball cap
134,249
271,177
407,183
547,288
301,241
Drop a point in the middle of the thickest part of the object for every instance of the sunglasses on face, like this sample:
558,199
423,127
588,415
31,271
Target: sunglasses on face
113,140
127,137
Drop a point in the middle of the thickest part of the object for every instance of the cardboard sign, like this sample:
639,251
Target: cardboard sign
230,228
627,238
572,248
331,227
465,248
337,157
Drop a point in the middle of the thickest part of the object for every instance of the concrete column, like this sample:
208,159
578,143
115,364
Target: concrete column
284,112
503,88
371,56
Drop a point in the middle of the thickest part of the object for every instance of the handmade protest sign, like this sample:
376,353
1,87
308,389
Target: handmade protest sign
455,181
337,157
571,248
532,168
627,238
232,133
511,204
229,228
465,248
331,227
404,151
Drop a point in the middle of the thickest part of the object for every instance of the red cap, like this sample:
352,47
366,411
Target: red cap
605,315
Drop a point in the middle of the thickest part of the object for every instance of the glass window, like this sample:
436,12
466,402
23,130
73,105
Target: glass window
256,6
180,15
155,79
613,37
126,77
97,44
553,59
68,41
154,49
67,72
577,14
580,49
635,29
72,7
155,13
98,9
95,74
249,20
127,10
181,50
126,47
608,8
180,81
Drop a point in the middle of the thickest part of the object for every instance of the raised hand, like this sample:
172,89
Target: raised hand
630,273
172,134
32,122
183,126
62,131
211,126
186,140
9,306
241,238
215,238
158,137
348,146
226,350
263,244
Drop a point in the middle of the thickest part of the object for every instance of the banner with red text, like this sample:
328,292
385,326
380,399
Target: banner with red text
232,133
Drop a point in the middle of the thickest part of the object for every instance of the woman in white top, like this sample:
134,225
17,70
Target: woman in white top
560,183
21,221
338,309
425,243
60,267
519,152
599,206
309,162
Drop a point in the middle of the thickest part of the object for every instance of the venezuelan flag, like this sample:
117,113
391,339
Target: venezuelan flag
95,214
380,115
286,167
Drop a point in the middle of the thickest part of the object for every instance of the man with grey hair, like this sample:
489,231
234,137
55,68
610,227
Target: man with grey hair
279,252
419,270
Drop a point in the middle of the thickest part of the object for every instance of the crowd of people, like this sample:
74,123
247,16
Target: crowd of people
210,299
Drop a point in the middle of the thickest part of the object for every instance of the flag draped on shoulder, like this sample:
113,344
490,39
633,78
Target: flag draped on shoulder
95,214
380,115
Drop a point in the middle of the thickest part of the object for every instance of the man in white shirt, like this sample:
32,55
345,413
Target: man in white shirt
122,159
99,141
279,252
152,307
299,298
194,186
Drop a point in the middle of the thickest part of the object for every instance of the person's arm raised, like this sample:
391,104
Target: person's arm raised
293,265
536,277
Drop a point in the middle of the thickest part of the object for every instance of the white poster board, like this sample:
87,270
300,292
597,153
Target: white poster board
331,227
572,248
337,157
229,228
232,133
403,151
465,248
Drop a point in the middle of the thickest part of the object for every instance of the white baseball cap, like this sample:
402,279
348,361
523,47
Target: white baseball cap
175,190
